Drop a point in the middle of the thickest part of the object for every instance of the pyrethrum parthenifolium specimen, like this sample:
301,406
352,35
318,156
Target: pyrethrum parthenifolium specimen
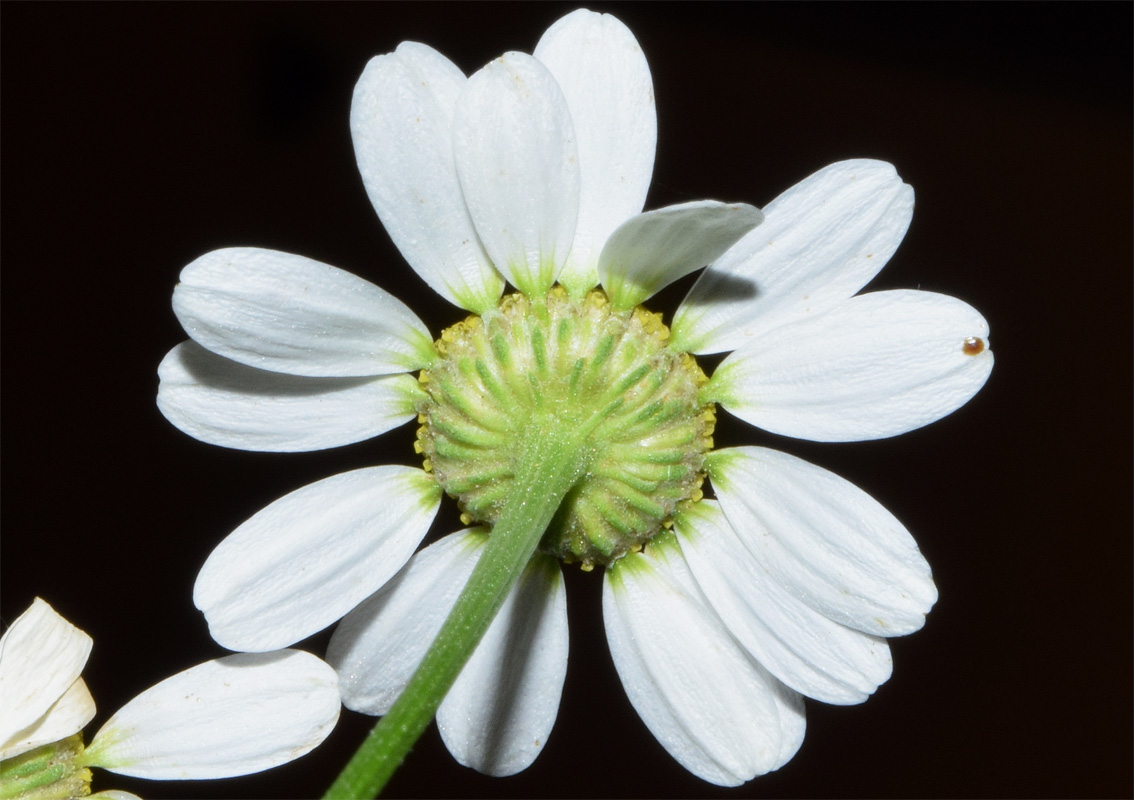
533,172
231,716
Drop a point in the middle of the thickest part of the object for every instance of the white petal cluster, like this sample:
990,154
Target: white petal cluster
42,697
535,170
232,716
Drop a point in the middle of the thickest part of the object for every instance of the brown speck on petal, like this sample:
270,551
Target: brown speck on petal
974,345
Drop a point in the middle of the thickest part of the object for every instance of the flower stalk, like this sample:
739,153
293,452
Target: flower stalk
552,462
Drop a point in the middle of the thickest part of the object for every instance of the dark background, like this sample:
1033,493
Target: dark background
138,136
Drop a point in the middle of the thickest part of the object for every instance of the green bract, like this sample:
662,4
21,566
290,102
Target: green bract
552,367
50,772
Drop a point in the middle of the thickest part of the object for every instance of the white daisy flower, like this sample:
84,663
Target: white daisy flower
531,172
232,716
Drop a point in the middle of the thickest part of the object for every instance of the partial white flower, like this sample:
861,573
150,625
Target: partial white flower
532,171
42,697
231,716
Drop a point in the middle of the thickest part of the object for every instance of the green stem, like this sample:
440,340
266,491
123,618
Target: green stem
548,469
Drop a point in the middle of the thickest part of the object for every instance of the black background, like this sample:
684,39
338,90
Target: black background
138,136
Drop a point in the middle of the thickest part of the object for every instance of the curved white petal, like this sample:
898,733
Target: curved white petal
287,313
232,716
821,241
401,120
709,703
826,541
497,716
379,644
807,651
652,250
114,794
66,717
225,403
604,75
41,657
792,719
876,365
308,558
519,168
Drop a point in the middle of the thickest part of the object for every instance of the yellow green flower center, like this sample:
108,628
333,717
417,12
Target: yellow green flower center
538,367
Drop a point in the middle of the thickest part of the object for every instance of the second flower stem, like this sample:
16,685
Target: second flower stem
546,471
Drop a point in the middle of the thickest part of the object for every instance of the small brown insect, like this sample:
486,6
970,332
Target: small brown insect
973,346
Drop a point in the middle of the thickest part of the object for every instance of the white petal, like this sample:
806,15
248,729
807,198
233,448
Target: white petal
311,556
597,62
821,241
41,656
876,365
114,794
497,716
232,716
712,706
792,719
401,119
378,645
287,313
828,543
225,403
519,168
652,250
807,651
69,715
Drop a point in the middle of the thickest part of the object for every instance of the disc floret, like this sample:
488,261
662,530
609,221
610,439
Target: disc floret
563,368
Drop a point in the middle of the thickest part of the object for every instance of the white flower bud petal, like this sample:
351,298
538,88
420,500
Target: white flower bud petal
41,657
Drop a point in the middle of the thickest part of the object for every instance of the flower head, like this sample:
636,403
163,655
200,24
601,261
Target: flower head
232,716
721,613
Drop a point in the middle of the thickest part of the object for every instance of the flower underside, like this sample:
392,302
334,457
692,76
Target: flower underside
554,367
